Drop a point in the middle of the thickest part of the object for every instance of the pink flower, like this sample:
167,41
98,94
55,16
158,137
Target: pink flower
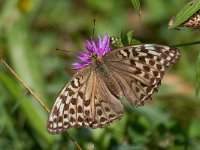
100,47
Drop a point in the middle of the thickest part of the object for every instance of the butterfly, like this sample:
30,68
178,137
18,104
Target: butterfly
193,22
92,97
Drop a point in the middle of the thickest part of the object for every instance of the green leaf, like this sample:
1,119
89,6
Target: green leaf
124,39
136,5
198,76
131,39
128,39
185,13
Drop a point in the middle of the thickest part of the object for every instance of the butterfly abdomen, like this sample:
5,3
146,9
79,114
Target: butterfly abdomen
103,72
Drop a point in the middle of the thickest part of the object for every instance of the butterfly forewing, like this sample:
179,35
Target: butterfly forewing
140,68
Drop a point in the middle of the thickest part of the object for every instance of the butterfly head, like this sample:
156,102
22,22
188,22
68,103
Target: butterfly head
95,50
93,56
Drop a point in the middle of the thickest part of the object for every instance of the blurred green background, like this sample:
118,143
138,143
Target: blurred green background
30,32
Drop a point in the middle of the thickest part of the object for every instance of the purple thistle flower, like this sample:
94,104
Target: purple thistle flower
101,47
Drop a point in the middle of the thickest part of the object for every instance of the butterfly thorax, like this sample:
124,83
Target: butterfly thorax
103,72
97,63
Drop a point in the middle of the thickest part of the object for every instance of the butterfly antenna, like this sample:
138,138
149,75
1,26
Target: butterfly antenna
35,96
93,32
62,50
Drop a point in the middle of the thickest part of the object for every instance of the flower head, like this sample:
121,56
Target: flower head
100,47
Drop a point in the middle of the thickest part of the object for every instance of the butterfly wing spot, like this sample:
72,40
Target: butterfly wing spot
87,116
66,119
72,121
137,72
80,117
80,120
105,115
54,124
159,67
168,58
154,53
72,110
102,121
69,92
149,47
125,53
73,101
87,102
60,123
80,109
99,112
75,83
80,94
146,68
151,62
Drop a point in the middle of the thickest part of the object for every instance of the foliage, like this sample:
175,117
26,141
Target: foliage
31,30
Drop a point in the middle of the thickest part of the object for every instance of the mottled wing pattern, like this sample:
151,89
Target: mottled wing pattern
139,69
68,109
193,22
85,101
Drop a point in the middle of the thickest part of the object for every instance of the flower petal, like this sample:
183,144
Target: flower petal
83,56
89,46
